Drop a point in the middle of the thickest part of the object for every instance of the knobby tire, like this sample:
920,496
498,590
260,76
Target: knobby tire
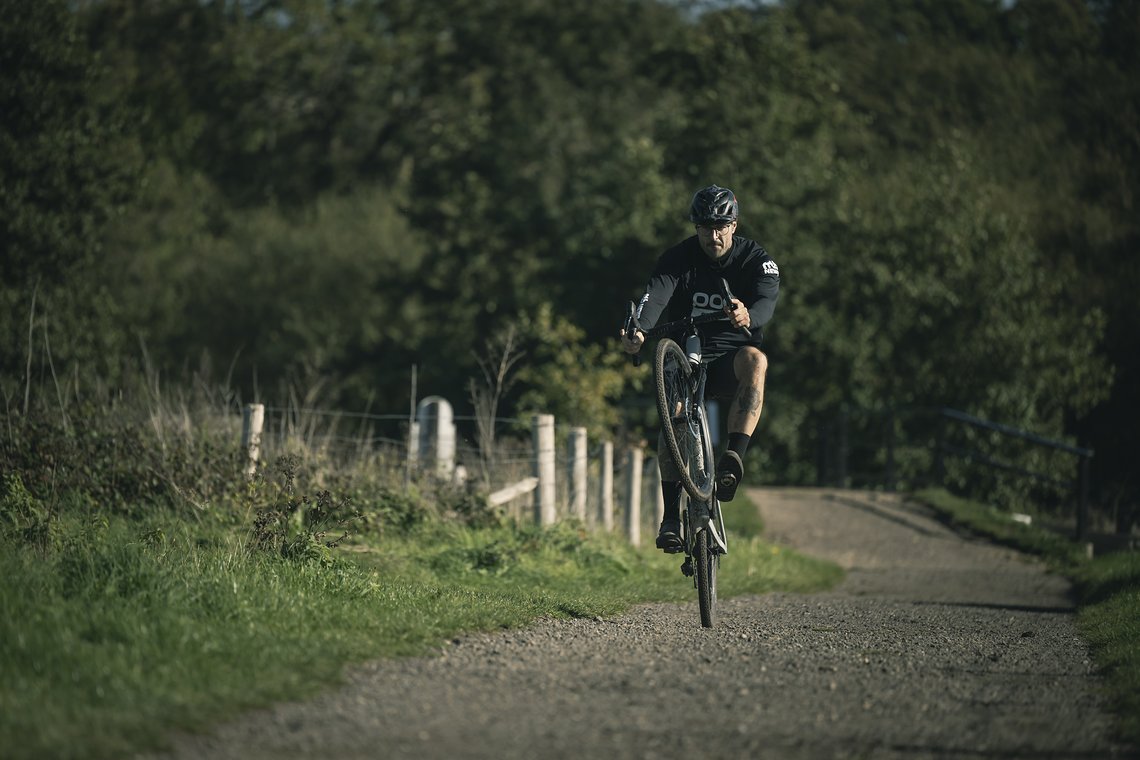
692,450
706,562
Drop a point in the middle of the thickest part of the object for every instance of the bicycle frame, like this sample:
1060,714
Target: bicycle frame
682,395
711,507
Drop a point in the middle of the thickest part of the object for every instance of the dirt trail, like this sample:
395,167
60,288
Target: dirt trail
934,646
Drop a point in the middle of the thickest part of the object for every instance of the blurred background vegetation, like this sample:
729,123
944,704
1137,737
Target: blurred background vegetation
278,196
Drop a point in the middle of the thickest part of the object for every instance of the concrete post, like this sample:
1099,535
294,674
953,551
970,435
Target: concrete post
606,487
634,458
545,510
436,436
579,462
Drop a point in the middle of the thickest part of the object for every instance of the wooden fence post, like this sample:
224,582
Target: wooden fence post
889,484
1083,499
252,421
505,495
579,472
606,487
658,498
545,511
412,463
844,447
633,495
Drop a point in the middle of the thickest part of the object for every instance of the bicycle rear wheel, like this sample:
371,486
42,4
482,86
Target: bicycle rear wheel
683,422
707,563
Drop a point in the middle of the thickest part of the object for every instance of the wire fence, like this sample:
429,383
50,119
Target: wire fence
531,468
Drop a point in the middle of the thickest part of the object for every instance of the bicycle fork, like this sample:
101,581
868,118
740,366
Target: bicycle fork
699,518
694,523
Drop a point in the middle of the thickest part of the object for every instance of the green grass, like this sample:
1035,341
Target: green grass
1109,589
118,630
1108,592
997,525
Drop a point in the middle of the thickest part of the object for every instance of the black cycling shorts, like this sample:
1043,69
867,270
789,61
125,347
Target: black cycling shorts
720,384
721,378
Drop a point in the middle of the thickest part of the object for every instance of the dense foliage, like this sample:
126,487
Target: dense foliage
340,190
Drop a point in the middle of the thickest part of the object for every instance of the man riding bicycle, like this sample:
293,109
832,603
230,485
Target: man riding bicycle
687,281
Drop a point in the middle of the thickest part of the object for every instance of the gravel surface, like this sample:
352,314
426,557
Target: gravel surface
934,646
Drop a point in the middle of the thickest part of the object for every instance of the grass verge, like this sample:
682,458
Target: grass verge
1108,594
120,629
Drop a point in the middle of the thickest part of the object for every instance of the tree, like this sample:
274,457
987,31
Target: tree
566,375
66,166
350,188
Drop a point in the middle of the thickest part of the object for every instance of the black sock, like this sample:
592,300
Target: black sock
672,495
738,442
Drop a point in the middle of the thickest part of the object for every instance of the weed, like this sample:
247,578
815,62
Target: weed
117,461
25,518
392,507
299,528
468,506
493,558
124,619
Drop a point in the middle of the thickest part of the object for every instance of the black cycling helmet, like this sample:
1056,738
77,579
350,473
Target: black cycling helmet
714,205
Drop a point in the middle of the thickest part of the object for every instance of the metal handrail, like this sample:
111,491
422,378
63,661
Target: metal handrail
941,447
1025,435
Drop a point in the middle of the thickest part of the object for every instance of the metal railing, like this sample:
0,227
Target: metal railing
873,440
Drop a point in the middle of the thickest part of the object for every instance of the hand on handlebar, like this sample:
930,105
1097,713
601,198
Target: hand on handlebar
632,338
737,314
734,309
631,344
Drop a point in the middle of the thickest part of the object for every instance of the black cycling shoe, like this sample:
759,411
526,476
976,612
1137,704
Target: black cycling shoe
669,537
729,472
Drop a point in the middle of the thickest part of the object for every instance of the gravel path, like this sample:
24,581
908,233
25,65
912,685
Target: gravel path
934,646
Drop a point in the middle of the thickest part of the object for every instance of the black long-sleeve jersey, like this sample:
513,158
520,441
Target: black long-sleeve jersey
686,281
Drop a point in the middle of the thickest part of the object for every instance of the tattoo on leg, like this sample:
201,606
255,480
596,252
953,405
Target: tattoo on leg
749,400
748,403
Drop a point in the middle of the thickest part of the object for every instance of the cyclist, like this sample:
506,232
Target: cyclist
687,280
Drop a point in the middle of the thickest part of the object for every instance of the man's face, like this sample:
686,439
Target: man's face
716,240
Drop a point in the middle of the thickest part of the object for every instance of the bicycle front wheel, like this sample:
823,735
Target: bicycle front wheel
683,422
707,563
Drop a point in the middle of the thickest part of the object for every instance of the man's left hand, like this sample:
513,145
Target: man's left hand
737,314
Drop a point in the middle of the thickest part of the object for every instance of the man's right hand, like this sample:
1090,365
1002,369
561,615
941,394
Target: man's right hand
632,344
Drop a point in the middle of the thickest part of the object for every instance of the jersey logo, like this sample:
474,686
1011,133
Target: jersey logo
704,303
771,268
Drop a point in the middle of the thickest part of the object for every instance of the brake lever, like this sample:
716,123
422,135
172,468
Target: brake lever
631,328
726,293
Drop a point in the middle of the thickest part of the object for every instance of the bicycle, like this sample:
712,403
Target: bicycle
679,376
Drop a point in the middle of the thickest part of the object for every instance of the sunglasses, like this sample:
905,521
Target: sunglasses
717,228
